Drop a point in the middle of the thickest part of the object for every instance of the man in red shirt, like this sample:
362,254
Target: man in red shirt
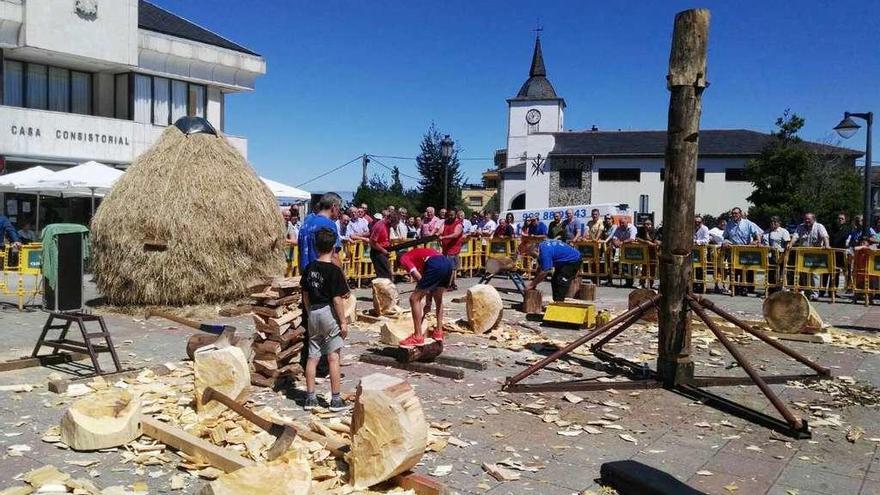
379,242
434,272
451,238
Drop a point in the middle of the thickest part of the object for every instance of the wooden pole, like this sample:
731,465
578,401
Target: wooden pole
686,81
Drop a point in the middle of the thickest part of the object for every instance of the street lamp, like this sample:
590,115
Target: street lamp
848,128
446,152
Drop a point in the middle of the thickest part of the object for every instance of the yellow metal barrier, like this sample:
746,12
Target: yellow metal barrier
808,264
866,273
593,259
635,255
699,266
746,263
27,261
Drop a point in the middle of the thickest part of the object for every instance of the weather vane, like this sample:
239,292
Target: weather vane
538,28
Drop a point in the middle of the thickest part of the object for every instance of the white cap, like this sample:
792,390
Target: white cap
378,216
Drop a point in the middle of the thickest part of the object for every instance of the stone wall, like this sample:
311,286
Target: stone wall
562,196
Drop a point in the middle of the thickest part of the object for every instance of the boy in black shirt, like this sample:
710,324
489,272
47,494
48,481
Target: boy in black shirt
324,287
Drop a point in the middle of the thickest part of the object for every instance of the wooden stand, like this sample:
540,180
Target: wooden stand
533,302
85,345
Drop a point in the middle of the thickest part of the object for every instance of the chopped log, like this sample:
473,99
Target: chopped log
290,352
533,302
283,301
285,283
268,312
224,459
791,312
290,474
285,318
225,370
199,340
483,308
393,331
350,304
105,419
587,292
496,265
268,346
389,432
638,296
423,353
385,297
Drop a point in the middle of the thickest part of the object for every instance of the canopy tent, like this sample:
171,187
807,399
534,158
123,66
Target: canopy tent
283,191
89,178
11,183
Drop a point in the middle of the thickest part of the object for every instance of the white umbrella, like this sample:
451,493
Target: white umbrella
86,178
11,183
284,191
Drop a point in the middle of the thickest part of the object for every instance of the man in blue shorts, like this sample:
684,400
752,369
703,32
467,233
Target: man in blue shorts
433,273
563,259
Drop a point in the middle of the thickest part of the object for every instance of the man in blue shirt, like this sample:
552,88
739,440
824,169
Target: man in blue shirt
328,210
536,228
8,231
563,259
741,232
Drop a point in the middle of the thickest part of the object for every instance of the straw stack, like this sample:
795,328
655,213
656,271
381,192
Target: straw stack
279,335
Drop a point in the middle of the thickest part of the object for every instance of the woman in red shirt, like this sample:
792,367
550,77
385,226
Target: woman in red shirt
451,238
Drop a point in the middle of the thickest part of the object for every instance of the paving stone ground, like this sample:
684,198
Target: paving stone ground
742,458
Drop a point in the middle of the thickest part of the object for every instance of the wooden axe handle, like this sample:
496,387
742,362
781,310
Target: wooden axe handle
174,318
212,394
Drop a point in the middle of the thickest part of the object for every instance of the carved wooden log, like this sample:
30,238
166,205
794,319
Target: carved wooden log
290,474
226,370
392,332
791,312
637,297
385,297
105,419
388,428
483,307
533,302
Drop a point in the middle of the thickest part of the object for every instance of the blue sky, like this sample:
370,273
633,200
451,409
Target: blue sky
346,78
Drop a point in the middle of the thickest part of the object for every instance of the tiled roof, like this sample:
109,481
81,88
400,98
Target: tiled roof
155,18
653,143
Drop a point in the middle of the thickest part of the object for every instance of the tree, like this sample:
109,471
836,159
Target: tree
378,194
396,184
792,177
431,164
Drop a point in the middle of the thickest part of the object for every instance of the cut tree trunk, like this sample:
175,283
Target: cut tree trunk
385,297
484,308
388,428
587,292
105,419
573,288
392,332
225,370
290,474
199,340
496,265
639,296
533,302
791,312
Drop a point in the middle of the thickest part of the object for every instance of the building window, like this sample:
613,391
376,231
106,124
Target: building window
36,88
13,83
735,175
46,87
701,174
620,174
475,201
121,102
570,178
162,101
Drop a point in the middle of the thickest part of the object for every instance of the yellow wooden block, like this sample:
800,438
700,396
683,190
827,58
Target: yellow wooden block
571,313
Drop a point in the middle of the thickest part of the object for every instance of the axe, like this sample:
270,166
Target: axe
225,333
284,434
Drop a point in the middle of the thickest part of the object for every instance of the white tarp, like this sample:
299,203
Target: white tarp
283,191
9,182
86,178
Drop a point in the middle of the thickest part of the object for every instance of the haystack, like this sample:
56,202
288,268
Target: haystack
189,223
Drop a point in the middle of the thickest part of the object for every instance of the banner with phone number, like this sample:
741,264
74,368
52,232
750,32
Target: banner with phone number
545,215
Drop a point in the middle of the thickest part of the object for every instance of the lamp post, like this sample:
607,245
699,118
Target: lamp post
446,153
847,128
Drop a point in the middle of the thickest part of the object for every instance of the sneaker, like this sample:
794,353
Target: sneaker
437,334
338,404
411,341
310,404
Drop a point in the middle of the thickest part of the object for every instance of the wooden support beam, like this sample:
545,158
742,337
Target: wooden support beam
46,360
174,437
686,82
430,368
460,362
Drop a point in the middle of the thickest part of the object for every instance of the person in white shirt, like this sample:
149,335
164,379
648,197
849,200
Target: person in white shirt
777,238
358,228
625,232
701,232
465,223
716,234
490,225
811,234
293,225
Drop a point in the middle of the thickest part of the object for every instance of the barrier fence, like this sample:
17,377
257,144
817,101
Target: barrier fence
18,266
736,269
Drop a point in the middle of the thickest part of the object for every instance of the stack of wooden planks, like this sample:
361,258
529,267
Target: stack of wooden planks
279,335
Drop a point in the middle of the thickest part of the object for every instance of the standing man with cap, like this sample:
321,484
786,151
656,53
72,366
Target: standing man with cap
379,243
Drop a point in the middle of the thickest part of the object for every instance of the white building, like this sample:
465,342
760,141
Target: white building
545,166
101,79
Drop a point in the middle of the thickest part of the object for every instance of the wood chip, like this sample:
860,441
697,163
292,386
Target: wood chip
500,473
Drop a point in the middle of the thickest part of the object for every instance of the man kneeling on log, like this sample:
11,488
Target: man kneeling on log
563,259
433,273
